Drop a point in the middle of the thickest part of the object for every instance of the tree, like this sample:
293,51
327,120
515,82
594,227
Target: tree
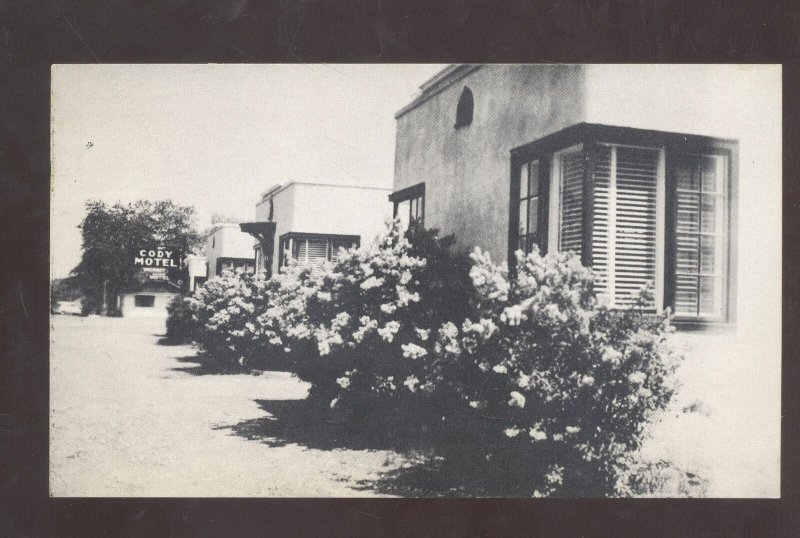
65,289
109,235
220,218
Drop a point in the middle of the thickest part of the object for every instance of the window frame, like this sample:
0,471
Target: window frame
236,264
144,298
414,192
670,145
292,237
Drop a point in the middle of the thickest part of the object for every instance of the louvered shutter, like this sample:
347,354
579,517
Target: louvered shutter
571,202
624,221
317,251
601,224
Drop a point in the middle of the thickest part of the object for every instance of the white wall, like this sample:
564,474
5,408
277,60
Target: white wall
227,241
158,310
327,209
341,210
741,369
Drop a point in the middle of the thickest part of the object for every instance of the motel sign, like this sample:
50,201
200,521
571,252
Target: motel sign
157,263
157,258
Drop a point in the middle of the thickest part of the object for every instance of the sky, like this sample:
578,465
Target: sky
215,136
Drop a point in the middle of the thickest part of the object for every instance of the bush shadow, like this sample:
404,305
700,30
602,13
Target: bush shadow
458,471
298,422
165,340
205,364
426,465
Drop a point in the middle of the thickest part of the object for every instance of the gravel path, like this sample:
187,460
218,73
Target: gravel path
130,417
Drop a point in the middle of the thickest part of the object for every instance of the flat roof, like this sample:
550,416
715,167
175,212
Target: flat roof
280,187
219,226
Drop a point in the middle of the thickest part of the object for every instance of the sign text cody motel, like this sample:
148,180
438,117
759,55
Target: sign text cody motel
157,261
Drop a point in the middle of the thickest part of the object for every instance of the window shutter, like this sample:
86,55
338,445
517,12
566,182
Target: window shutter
317,250
571,202
624,229
301,247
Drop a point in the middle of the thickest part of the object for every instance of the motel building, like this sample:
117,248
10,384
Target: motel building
311,222
227,247
650,173
161,271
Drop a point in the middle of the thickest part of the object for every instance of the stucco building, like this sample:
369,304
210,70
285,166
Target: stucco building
227,247
149,301
636,168
312,221
662,173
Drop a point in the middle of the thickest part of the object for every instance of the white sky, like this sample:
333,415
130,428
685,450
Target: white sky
215,136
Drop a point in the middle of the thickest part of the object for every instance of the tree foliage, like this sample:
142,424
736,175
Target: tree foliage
109,233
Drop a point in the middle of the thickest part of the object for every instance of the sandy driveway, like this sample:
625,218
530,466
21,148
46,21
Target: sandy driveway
130,417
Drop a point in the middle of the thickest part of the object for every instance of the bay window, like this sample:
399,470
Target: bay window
639,207
313,249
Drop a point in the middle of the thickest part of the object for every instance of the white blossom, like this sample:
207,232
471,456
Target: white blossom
372,282
389,330
411,382
413,351
343,382
586,381
637,378
500,369
517,400
537,434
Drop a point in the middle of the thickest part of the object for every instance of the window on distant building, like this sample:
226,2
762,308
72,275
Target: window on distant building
313,249
245,265
144,301
464,109
409,204
638,207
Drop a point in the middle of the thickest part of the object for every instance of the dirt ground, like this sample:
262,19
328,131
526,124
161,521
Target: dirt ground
130,417
725,422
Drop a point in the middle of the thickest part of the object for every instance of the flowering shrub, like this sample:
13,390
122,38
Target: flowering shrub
229,313
547,367
530,371
370,317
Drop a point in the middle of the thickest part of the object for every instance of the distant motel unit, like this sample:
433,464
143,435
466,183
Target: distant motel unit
149,300
668,174
227,247
313,221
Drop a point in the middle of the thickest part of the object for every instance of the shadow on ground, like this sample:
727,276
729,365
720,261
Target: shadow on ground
205,364
165,340
428,466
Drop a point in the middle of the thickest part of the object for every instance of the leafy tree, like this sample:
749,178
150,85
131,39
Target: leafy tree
110,232
65,289
219,218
